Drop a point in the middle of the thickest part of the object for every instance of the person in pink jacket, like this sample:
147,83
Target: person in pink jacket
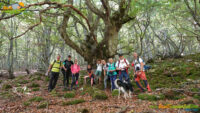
75,68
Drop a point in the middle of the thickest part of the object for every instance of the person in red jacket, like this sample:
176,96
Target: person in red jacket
139,73
75,68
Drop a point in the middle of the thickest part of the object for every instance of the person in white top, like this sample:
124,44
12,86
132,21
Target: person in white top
139,72
105,67
98,71
122,66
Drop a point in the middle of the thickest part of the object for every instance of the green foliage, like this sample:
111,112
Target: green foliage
115,92
6,86
69,95
1,81
151,97
73,102
42,105
36,99
33,85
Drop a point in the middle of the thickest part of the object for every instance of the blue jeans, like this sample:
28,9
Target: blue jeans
112,79
123,74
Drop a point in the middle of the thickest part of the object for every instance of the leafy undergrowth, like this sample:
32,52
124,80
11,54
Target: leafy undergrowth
30,93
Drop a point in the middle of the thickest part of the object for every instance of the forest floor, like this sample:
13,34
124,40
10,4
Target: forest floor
175,83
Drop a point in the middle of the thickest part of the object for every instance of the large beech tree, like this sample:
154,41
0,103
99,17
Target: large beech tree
91,49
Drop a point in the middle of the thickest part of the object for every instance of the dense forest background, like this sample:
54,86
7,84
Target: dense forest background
97,29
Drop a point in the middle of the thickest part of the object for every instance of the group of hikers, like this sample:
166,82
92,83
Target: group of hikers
111,70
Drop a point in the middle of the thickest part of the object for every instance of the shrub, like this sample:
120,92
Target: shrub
73,102
69,95
42,105
36,99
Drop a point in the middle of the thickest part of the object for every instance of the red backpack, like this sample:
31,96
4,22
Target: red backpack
126,64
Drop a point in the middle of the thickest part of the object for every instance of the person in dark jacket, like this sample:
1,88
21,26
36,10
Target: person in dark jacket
67,73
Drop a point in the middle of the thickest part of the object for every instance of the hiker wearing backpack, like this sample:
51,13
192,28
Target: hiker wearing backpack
75,68
139,72
67,73
122,66
112,73
54,67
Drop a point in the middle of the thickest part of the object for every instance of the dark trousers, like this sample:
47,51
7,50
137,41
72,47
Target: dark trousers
53,80
123,74
66,75
112,79
74,79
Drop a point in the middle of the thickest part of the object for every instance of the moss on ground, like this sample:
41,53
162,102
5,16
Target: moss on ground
54,93
33,85
69,95
6,86
73,102
36,89
36,99
115,92
27,103
151,97
42,105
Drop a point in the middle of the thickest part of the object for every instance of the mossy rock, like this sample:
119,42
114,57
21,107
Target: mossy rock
36,99
69,95
42,105
33,85
115,92
151,97
36,89
6,86
27,103
73,102
100,95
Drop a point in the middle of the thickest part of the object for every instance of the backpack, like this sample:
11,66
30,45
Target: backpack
146,67
126,64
